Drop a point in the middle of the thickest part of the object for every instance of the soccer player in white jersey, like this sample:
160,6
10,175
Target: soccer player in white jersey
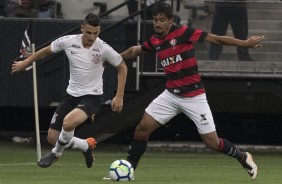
86,53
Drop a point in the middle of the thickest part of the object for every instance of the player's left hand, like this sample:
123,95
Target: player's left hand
117,104
255,41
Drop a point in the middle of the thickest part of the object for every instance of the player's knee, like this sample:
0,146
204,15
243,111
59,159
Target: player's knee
211,141
68,125
141,134
212,145
140,137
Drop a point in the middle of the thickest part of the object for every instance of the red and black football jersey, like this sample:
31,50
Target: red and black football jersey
177,56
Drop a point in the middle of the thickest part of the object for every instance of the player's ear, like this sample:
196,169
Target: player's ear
171,20
82,28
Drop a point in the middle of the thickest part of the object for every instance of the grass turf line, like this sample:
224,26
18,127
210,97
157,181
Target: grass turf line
18,166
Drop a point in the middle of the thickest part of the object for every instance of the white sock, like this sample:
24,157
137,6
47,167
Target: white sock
77,143
63,140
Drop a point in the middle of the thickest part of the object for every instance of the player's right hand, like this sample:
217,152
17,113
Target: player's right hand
18,66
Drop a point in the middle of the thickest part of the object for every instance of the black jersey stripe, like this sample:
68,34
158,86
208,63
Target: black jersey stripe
183,73
186,88
202,37
188,34
182,39
151,45
144,48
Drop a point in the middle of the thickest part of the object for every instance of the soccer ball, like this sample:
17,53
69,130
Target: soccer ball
121,170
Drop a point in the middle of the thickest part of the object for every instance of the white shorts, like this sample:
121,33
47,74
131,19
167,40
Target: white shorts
168,105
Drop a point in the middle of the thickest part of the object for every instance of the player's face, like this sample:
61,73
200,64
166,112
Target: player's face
162,24
89,34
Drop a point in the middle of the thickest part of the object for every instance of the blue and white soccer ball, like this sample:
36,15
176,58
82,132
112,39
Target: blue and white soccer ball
121,170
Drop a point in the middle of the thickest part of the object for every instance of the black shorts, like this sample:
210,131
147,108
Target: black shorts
90,104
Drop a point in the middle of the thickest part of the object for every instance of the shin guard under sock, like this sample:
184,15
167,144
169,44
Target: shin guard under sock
135,151
62,141
229,149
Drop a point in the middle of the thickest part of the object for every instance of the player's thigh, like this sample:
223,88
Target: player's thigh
66,106
162,109
74,118
86,106
198,110
147,125
90,104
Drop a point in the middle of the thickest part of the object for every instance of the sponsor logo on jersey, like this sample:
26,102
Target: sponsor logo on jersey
76,46
96,50
171,60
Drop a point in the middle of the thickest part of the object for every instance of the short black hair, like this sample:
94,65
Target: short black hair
92,20
164,8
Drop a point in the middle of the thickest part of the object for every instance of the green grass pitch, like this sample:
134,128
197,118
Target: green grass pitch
18,166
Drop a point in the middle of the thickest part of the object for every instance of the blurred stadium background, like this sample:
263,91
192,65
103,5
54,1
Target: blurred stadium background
245,96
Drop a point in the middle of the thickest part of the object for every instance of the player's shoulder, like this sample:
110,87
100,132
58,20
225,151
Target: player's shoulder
65,42
101,44
68,38
180,28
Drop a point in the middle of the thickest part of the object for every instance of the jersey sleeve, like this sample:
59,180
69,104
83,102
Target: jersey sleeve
196,35
147,46
59,44
111,55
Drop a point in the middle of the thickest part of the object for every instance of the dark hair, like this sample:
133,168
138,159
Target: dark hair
162,8
92,20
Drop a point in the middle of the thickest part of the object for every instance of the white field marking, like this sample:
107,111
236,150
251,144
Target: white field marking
17,164
34,163
141,165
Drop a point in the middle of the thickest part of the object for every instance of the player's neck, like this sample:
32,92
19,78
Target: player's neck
86,43
163,35
86,46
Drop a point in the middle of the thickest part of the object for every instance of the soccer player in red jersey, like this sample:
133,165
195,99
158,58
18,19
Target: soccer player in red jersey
184,91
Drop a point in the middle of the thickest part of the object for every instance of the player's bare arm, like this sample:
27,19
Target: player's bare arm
132,52
18,66
117,103
252,42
